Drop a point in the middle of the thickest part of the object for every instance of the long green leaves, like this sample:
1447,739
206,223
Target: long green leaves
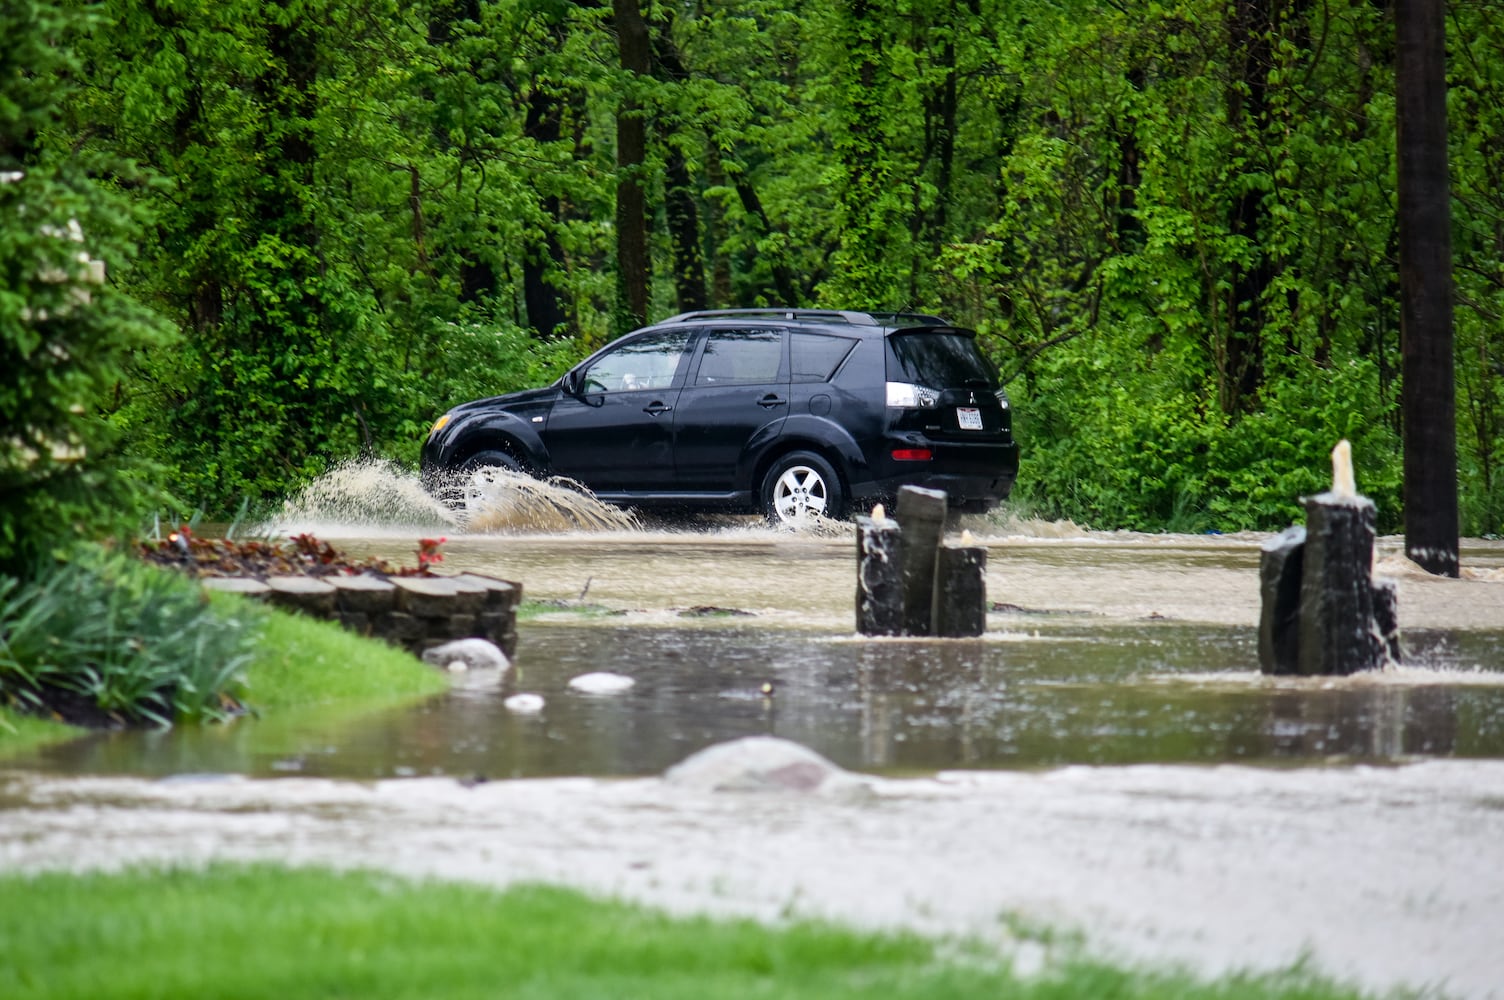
135,643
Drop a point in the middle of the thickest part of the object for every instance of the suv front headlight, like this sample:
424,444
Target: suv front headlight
908,396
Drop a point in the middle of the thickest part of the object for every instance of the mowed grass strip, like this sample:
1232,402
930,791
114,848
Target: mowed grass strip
234,931
300,661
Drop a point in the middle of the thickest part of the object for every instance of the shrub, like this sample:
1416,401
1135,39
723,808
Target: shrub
105,639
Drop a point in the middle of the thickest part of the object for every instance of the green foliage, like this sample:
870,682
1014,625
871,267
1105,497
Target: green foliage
361,214
65,329
258,930
136,643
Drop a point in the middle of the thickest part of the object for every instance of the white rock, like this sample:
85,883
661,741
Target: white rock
763,764
524,704
601,683
467,654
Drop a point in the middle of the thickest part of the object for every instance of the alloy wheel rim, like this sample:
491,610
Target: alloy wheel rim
799,493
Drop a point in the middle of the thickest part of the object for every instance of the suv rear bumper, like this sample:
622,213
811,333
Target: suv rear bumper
975,476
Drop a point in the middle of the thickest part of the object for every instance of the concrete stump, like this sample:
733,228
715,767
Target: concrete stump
921,517
1337,633
960,593
1281,562
879,577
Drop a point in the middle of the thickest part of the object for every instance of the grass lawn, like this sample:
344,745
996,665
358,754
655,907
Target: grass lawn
264,931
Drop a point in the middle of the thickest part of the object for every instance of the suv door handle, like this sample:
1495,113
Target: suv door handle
656,407
771,400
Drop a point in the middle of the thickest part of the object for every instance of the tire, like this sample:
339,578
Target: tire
799,485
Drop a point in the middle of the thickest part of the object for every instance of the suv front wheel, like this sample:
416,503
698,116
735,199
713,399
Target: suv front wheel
799,485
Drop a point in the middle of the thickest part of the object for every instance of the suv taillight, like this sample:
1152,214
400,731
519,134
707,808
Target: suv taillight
908,396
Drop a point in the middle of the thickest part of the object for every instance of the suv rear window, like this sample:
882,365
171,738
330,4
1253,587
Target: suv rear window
938,360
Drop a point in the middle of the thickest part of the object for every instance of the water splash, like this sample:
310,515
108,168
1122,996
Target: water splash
377,497
360,496
497,501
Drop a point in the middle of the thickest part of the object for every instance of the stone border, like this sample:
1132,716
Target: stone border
414,612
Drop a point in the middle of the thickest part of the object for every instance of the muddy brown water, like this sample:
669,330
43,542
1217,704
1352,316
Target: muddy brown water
1103,649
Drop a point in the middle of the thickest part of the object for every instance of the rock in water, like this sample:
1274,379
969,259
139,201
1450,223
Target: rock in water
763,764
524,704
601,683
474,654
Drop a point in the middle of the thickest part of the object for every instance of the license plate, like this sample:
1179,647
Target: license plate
968,418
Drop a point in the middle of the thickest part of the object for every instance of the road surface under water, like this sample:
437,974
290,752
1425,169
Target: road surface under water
1106,649
1103,648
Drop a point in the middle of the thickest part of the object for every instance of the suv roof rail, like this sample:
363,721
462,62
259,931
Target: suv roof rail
818,315
917,319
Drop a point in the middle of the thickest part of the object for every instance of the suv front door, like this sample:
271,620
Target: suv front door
616,431
735,402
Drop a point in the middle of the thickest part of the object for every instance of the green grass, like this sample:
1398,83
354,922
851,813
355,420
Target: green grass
300,662
264,931
20,733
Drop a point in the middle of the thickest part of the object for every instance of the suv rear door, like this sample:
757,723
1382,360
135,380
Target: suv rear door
733,403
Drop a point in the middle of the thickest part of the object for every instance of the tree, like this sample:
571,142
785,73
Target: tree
632,264
65,329
1425,223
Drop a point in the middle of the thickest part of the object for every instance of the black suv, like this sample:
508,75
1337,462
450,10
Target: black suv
789,412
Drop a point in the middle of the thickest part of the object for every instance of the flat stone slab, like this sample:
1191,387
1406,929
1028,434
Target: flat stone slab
501,595
438,596
237,585
367,595
303,593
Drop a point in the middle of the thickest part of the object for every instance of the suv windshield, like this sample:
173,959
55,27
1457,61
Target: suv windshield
940,360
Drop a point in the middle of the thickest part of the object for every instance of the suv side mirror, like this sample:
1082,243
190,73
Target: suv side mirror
570,383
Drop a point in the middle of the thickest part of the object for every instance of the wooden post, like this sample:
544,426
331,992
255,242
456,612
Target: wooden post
1281,561
879,575
921,516
960,599
1336,589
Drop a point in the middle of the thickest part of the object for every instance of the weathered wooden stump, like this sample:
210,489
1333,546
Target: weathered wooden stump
960,598
1281,561
921,517
1336,587
879,575
1322,612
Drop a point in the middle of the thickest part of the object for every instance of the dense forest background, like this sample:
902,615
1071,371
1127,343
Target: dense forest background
1173,224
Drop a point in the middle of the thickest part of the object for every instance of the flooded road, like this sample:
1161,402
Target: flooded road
1083,766
1103,649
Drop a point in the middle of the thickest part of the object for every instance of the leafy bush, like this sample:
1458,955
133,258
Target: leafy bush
107,639
65,329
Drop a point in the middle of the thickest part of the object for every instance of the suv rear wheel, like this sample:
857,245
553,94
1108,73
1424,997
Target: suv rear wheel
799,485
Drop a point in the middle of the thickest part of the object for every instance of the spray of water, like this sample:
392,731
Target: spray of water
376,497
499,502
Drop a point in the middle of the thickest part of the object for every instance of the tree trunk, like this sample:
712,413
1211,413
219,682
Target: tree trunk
631,152
544,256
684,232
1425,231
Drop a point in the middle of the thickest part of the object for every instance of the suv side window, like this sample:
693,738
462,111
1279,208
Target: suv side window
648,362
815,357
741,357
